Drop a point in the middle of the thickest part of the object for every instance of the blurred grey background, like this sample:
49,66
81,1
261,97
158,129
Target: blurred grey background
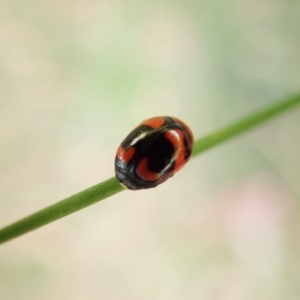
77,76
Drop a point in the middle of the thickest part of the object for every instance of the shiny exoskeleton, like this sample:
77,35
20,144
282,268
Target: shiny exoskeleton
153,152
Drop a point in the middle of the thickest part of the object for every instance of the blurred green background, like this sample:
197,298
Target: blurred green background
77,76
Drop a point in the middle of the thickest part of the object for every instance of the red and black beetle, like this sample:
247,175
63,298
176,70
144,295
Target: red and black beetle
153,152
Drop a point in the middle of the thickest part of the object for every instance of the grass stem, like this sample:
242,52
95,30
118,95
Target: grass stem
111,186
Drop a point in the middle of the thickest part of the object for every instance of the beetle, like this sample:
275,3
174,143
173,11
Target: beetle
152,152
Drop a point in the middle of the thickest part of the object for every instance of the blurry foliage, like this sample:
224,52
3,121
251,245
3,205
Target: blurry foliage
76,76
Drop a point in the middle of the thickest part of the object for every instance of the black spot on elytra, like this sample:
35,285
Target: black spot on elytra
159,153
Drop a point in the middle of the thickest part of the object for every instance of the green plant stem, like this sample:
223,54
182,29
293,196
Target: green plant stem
243,125
111,186
61,209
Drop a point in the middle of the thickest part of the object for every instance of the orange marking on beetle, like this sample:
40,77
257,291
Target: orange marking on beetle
125,155
184,126
176,136
144,173
154,122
